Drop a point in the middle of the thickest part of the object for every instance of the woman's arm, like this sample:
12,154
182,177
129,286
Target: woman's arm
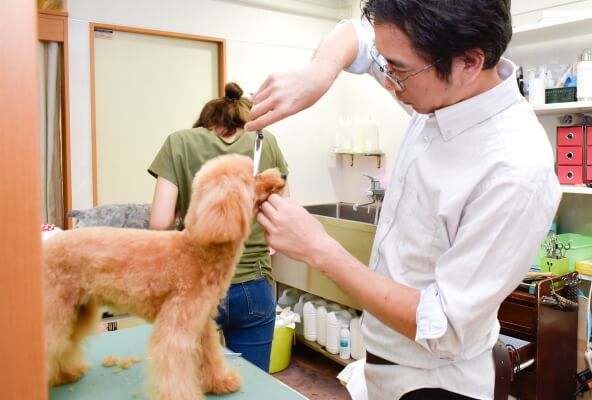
162,213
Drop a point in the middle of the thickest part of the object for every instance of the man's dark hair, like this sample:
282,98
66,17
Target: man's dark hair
443,29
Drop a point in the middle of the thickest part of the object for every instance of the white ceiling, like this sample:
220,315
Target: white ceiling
328,9
330,3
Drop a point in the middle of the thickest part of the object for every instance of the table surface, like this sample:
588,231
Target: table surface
101,383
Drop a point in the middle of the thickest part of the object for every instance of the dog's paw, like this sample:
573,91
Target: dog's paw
71,375
226,382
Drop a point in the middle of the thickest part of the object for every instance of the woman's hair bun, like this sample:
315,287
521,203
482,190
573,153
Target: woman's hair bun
233,91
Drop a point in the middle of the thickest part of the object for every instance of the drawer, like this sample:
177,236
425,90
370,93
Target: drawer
589,156
589,174
570,174
589,135
570,136
570,155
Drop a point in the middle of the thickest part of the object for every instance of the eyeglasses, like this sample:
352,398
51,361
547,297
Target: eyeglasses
383,66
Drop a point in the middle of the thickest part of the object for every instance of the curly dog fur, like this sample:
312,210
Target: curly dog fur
174,279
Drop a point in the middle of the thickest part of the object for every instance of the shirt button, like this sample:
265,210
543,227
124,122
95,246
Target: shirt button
426,139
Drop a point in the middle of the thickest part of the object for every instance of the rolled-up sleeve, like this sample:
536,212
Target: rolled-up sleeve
491,253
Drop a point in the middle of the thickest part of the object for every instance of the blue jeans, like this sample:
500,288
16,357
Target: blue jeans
247,318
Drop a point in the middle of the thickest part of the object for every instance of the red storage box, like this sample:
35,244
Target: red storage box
589,158
570,135
589,134
570,155
570,174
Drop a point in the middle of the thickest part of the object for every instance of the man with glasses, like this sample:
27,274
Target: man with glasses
472,194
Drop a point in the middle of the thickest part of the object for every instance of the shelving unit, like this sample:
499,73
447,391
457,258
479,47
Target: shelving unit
552,44
317,347
563,108
576,189
378,156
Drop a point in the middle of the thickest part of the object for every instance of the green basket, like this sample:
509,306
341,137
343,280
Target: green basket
281,349
560,95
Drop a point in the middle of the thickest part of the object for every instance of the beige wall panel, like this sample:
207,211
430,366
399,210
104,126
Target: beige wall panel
146,87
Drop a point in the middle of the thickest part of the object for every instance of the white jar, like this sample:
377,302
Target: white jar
584,72
344,343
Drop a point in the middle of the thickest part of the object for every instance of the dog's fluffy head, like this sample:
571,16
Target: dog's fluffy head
224,198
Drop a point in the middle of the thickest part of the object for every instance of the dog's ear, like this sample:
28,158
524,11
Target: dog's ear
268,182
221,204
220,215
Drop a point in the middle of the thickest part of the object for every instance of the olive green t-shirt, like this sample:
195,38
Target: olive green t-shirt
182,155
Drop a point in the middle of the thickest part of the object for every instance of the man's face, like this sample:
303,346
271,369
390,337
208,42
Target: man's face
425,92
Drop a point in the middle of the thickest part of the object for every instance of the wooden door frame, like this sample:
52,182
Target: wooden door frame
221,43
53,27
22,344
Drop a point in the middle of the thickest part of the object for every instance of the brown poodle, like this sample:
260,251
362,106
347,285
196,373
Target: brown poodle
174,279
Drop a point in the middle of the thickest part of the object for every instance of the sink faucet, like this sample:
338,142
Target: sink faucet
375,193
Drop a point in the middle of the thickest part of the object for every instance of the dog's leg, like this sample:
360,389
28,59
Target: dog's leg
217,378
175,372
66,327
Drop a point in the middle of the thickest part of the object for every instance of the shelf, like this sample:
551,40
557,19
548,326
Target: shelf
551,30
378,156
317,347
563,108
576,189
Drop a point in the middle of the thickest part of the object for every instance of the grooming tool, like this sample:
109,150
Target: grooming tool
257,152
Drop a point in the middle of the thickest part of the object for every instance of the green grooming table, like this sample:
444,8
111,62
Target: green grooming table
102,383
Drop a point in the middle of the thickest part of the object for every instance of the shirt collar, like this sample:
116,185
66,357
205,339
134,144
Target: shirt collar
461,116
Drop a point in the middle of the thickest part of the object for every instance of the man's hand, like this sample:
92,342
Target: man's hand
290,229
288,92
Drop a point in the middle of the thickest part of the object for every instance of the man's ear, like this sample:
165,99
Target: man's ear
467,67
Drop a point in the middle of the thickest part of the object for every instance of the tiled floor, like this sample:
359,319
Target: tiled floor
313,375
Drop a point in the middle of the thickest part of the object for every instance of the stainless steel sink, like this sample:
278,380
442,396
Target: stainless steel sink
353,229
365,214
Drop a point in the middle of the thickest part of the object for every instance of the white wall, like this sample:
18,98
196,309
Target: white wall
258,42
526,12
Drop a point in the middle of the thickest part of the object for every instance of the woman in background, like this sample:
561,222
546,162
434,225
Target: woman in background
247,313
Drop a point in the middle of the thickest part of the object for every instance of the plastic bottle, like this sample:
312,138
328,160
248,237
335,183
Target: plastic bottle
322,312
347,139
358,133
536,88
344,343
584,72
310,319
335,320
549,82
298,310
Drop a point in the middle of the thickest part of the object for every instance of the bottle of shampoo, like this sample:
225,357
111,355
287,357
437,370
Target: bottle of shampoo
584,72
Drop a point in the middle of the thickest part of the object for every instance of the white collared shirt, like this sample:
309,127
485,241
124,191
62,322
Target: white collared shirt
471,198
